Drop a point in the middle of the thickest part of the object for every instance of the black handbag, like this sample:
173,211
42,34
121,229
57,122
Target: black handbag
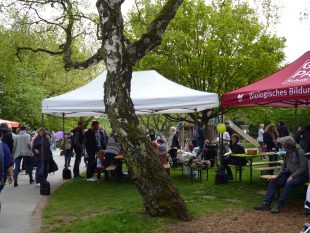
53,167
66,174
45,188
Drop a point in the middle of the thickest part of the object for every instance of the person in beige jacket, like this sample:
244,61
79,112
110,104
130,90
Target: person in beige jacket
22,149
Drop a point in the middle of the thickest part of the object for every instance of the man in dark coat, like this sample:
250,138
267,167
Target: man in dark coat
78,146
92,145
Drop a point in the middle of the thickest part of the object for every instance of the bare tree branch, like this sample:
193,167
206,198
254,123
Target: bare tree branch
19,49
91,61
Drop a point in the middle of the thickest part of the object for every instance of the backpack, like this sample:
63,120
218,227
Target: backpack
66,174
221,176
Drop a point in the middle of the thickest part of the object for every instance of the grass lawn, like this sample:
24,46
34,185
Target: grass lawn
80,206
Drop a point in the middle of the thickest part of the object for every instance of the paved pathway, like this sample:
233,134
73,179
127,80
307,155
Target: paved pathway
21,205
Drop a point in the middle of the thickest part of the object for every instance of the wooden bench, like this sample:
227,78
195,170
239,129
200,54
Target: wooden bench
238,169
267,162
120,157
266,169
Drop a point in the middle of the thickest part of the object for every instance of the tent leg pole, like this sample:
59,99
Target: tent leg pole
295,123
42,120
64,136
221,137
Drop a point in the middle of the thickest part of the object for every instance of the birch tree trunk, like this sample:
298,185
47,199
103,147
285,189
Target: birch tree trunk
160,196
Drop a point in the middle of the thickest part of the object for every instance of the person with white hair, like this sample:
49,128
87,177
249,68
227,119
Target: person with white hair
294,172
173,145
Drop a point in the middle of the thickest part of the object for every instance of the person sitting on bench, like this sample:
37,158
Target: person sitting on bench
294,172
235,148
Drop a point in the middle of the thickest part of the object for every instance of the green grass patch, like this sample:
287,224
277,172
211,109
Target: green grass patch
80,206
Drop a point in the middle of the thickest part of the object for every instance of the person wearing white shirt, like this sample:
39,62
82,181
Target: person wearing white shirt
226,141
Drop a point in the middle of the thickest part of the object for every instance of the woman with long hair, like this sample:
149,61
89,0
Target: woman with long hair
270,137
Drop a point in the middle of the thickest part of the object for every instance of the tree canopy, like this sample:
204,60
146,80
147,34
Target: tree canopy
28,78
215,48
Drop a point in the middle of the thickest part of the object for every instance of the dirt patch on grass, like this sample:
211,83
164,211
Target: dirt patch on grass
288,221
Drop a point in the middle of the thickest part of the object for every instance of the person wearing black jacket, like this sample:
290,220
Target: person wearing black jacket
41,149
235,148
92,145
78,146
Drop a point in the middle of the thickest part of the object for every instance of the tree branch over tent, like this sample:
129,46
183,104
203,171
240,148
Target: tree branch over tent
153,36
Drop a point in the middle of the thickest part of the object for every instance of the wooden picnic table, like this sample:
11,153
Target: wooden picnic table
250,158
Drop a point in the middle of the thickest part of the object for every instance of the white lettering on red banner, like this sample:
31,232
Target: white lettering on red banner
302,75
278,93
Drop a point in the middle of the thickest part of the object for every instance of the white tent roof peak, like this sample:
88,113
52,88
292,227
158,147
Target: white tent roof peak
151,93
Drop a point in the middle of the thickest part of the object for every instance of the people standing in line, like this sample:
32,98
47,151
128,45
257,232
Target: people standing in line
7,136
92,145
42,152
294,172
66,146
112,150
173,145
78,146
260,138
22,150
235,148
282,130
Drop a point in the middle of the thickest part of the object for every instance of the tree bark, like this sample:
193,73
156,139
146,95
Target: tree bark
160,196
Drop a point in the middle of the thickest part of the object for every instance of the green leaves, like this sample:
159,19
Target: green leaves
215,48
26,80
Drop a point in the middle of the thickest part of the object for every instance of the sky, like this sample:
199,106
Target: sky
296,32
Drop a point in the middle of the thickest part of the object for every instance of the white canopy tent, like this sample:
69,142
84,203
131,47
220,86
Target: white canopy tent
151,94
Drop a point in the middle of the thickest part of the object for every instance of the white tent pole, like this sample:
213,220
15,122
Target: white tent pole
42,120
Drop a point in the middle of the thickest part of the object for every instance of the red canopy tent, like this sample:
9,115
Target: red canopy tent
289,87
14,124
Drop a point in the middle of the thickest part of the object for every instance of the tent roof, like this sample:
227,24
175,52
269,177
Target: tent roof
151,93
288,87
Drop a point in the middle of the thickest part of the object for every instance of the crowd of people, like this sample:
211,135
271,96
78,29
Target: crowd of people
22,149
